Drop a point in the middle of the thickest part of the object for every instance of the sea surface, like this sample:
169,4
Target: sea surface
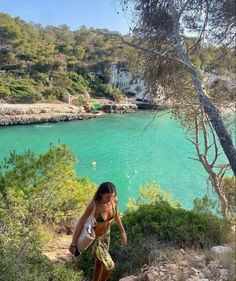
128,150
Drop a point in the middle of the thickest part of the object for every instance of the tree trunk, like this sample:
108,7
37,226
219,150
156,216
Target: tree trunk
209,108
213,114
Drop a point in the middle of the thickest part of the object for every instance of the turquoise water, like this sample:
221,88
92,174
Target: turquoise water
124,152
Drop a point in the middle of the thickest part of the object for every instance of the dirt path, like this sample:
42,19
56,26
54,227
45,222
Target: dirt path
57,249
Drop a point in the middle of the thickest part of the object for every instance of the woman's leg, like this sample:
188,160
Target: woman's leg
97,270
106,273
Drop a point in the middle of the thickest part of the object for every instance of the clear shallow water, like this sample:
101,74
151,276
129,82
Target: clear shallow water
123,152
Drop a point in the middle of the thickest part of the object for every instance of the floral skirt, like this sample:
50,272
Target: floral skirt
100,250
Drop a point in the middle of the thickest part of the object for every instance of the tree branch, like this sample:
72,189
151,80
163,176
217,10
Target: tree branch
146,50
203,29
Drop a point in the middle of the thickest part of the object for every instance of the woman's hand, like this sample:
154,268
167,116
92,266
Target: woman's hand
123,238
72,249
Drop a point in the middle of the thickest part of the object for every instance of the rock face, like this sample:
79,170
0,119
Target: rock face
118,108
134,87
11,114
123,79
136,90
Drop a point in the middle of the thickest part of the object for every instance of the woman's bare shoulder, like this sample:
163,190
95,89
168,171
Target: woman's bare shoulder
91,206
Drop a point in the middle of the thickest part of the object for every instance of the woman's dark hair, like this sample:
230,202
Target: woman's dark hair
105,187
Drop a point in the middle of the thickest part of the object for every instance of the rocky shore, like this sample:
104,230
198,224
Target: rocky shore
118,107
12,114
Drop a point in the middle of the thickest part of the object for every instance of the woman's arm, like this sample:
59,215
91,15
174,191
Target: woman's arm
80,225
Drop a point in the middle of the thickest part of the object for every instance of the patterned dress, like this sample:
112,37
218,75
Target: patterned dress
100,250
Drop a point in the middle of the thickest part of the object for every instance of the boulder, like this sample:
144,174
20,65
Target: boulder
221,250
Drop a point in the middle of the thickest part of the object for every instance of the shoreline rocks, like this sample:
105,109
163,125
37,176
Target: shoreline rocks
13,114
119,108
22,114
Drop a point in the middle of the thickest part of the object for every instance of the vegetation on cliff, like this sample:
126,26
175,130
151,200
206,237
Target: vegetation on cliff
45,62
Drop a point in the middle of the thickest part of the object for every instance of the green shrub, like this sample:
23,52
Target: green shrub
61,273
229,187
4,93
43,189
116,94
54,93
21,258
178,226
79,84
37,192
23,96
61,80
24,92
106,90
151,193
206,205
101,89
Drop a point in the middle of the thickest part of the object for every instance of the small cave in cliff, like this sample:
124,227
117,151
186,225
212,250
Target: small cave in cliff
130,94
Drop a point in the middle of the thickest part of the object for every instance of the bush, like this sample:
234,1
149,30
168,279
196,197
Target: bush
178,226
101,89
206,206
61,80
80,100
54,93
229,187
44,189
4,92
21,258
106,90
79,84
37,192
151,193
24,92
22,96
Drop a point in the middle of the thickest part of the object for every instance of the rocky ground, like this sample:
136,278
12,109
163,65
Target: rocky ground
119,107
12,114
57,248
167,264
217,264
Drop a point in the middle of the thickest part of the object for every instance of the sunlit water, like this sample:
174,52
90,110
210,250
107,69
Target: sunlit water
124,150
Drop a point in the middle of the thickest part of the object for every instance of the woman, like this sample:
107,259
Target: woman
105,205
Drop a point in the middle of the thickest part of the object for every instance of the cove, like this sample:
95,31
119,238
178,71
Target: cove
123,149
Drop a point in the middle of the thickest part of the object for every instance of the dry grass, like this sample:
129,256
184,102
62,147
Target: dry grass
57,248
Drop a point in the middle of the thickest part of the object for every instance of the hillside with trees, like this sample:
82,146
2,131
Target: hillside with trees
38,63
43,63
